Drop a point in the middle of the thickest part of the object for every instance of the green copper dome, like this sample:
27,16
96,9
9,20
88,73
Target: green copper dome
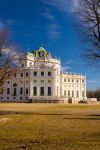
41,53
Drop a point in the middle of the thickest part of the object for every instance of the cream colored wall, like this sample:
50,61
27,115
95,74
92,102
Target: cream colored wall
57,80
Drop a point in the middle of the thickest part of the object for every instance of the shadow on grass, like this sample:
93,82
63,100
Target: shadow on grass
95,115
29,113
82,118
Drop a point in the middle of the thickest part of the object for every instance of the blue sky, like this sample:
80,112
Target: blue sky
50,23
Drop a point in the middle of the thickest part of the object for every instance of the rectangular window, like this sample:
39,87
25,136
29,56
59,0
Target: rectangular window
15,75
21,90
69,93
8,91
72,93
49,73
77,94
42,73
35,81
21,74
49,91
64,80
42,91
34,91
8,82
8,75
49,81
64,93
27,74
82,81
35,73
27,91
42,81
15,92
83,95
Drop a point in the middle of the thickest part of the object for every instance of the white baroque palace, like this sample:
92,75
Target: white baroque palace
39,79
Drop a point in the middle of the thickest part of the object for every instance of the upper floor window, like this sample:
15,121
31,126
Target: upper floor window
14,85
49,73
68,80
27,81
21,82
35,73
49,81
77,81
35,81
27,74
42,73
82,81
8,82
42,81
72,80
22,65
30,63
15,75
21,74
8,75
64,80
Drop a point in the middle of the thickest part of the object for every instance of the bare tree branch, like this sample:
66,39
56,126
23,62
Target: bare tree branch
8,57
88,22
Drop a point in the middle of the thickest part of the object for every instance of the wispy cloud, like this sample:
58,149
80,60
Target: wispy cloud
68,62
53,31
66,66
53,27
63,5
6,23
1,25
48,15
92,81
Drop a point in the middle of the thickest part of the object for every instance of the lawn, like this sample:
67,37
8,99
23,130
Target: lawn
49,127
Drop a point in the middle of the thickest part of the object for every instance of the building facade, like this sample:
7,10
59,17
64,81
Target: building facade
40,79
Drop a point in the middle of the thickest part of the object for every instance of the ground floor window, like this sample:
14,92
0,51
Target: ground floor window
72,93
77,93
83,94
69,93
64,93
35,91
8,91
42,91
21,90
27,91
49,91
15,92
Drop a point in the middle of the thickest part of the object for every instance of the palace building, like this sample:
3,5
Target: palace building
40,79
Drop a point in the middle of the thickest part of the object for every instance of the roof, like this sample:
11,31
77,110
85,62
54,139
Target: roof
41,53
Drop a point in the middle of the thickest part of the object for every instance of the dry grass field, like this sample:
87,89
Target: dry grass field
49,127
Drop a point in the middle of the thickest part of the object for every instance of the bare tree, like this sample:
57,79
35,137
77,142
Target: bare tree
88,22
8,56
